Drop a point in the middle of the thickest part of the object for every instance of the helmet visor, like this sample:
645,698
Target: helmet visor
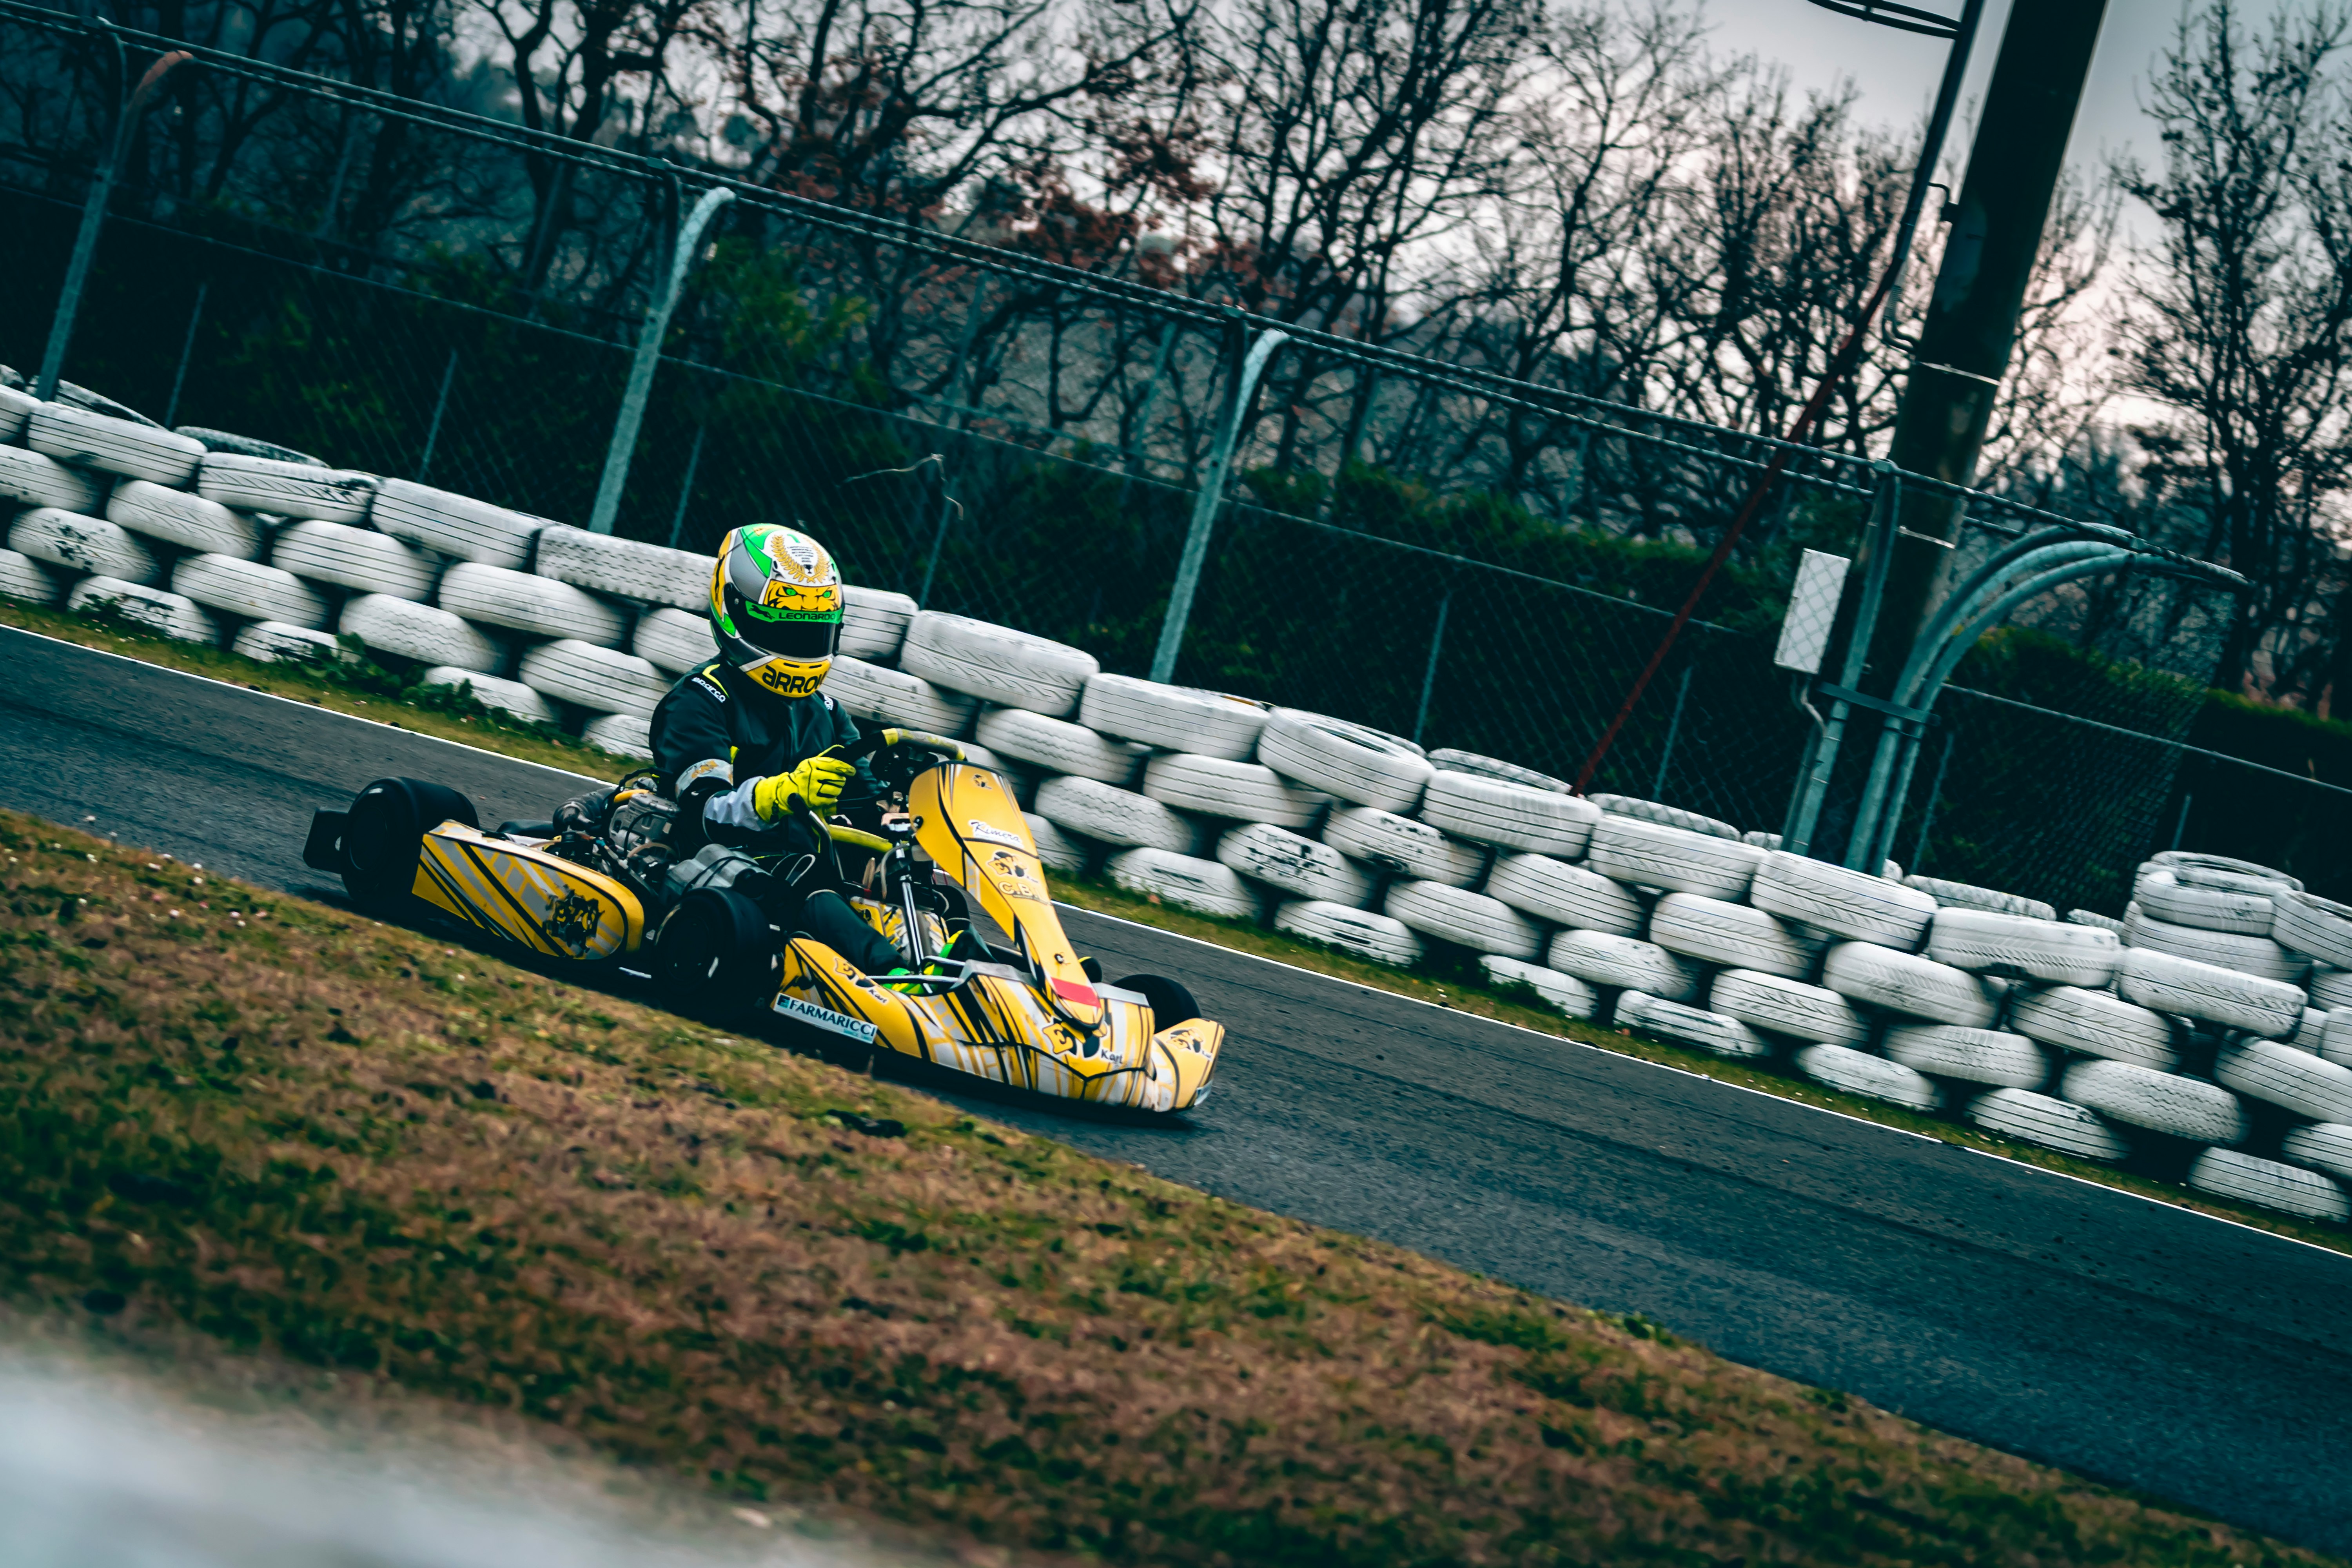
791,634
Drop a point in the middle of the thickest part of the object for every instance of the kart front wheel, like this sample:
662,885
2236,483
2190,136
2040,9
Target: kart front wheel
1170,1003
384,831
716,959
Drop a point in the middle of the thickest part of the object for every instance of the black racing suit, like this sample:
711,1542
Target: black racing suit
715,736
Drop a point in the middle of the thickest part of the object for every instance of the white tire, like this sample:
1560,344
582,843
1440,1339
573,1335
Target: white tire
2335,1038
1512,816
459,525
1465,919
2161,894
274,642
1664,815
1717,1032
1402,846
1173,718
174,616
2039,949
600,679
178,518
678,641
884,696
1446,760
2052,1122
16,411
1059,746
2096,920
1961,896
1731,936
1186,881
2221,866
996,663
523,602
1779,1005
1652,855
2177,1106
250,591
512,696
1359,931
1564,992
1059,850
1623,963
2330,987
2309,1034
22,577
873,622
1366,766
425,633
81,543
623,734
2218,995
2289,1189
2280,1075
124,447
1849,904
32,480
1567,895
1295,865
2327,1146
1761,840
624,568
248,445
2096,1023
1972,1055
1243,792
1114,815
1872,1077
358,559
2320,927
1908,984
287,490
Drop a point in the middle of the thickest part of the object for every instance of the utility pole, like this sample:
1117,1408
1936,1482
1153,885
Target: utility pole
1964,345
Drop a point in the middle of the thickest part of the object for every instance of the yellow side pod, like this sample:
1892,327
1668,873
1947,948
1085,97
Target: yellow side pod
547,903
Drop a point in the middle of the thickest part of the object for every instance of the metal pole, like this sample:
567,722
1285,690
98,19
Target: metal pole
1206,503
93,216
1429,675
939,539
1804,812
187,349
440,407
624,446
1935,793
2180,823
1674,729
686,485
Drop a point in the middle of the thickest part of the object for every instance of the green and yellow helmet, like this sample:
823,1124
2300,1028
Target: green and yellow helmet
775,605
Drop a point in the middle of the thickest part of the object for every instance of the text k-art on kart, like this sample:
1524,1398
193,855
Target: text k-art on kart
601,885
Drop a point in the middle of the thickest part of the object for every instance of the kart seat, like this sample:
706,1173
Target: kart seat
526,830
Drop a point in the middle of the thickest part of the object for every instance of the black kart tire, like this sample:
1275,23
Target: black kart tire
1170,1003
715,958
384,832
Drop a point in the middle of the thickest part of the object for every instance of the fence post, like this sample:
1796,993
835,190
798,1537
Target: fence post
187,350
1210,499
1429,675
2180,823
624,446
1674,730
1935,790
686,485
433,428
1813,782
93,213
939,540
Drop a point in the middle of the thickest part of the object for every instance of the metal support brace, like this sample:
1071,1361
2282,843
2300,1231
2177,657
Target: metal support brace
1674,733
187,352
624,446
1208,501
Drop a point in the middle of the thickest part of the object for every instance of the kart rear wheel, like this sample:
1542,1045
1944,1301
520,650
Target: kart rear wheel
1170,1003
384,833
716,959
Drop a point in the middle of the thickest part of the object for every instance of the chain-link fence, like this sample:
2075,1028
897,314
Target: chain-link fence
1426,548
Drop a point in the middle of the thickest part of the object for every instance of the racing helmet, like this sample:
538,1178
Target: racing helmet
775,607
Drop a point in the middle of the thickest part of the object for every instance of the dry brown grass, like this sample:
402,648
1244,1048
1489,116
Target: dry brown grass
300,1134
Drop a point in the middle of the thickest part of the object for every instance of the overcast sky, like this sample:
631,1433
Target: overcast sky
1898,72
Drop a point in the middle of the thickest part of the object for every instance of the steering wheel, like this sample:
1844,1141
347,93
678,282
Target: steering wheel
899,754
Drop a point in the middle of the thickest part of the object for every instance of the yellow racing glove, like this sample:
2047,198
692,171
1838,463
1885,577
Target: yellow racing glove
818,781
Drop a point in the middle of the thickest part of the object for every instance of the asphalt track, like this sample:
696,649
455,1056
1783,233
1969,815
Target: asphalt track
2145,1345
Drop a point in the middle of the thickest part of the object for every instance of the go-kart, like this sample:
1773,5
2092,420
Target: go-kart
601,885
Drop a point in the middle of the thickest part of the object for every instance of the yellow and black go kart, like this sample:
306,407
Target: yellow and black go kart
601,885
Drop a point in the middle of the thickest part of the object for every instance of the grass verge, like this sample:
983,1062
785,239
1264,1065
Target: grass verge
1452,983
297,1132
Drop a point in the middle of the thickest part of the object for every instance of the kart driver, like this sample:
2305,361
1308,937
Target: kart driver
739,738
